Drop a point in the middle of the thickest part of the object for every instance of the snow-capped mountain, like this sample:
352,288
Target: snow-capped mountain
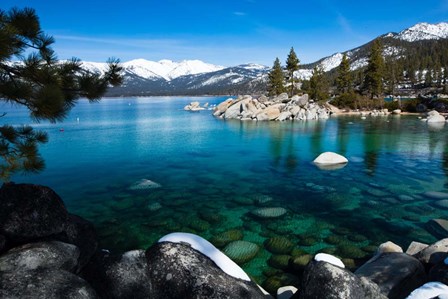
193,77
423,31
163,69
358,56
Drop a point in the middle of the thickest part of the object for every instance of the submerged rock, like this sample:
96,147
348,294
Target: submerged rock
279,245
437,227
144,184
436,195
265,213
241,251
224,238
176,270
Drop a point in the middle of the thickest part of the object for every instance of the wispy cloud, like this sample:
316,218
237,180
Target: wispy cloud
239,13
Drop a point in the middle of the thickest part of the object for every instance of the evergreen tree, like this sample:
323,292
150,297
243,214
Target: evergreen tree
344,81
318,86
276,79
373,81
292,65
428,78
47,87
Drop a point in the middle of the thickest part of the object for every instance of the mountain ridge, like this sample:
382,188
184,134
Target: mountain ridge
195,77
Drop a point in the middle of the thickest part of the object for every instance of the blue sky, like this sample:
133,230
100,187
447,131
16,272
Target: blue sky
227,32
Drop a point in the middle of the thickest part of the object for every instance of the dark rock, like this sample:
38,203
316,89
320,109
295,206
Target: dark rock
438,228
2,244
178,271
125,276
434,253
44,284
324,280
439,273
54,255
29,212
81,233
397,274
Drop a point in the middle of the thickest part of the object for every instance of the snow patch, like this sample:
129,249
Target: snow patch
324,257
206,248
424,31
429,290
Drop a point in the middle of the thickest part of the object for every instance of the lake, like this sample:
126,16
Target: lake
214,175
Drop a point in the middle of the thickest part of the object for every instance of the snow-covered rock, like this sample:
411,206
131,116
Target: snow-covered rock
207,248
324,257
430,290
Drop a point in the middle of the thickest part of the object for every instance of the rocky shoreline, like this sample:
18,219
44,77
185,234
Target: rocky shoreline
45,252
283,107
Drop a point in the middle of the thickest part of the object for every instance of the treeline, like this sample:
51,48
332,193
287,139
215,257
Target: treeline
394,68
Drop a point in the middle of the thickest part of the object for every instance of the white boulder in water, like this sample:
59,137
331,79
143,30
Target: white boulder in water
330,158
435,117
144,184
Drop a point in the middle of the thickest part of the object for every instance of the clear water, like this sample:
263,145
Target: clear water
212,171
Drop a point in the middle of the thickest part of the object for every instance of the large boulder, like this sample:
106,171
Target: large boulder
397,274
54,255
125,276
223,106
435,117
325,280
303,100
176,270
434,254
44,284
269,113
2,244
281,98
81,233
29,212
234,110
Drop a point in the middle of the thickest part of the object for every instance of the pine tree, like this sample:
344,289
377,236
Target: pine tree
47,87
373,81
344,81
276,79
318,86
292,65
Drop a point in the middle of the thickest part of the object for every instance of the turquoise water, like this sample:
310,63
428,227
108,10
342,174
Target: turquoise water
213,173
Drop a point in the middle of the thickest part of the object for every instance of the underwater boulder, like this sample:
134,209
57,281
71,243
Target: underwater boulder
241,251
266,213
224,238
279,245
144,184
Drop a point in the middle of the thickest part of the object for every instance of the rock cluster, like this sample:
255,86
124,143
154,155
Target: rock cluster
278,108
56,256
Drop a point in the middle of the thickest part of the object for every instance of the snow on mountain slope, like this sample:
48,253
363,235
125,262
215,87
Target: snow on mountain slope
163,69
94,67
191,67
424,31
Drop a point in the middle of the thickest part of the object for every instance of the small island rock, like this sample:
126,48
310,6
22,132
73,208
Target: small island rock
330,158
